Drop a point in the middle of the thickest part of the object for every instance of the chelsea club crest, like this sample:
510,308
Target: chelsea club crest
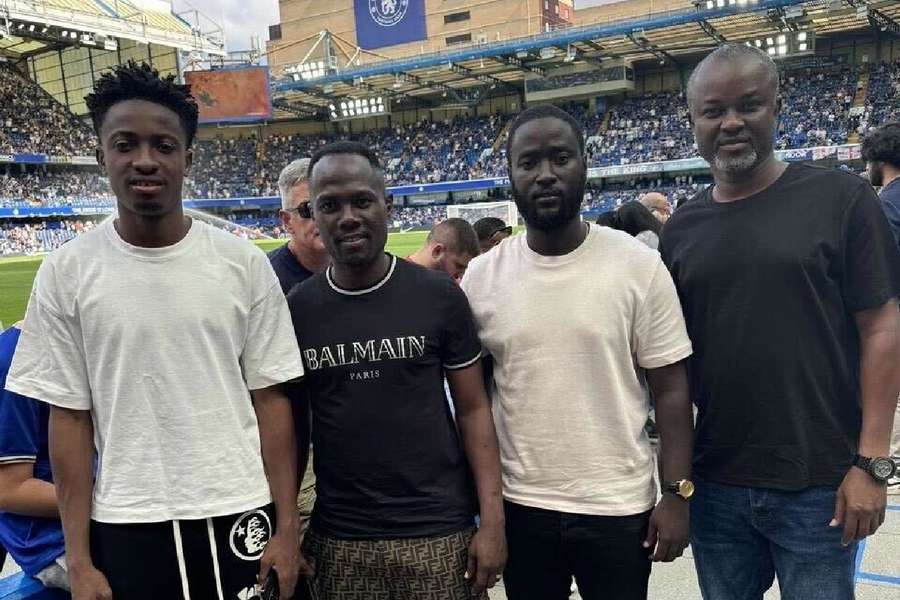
388,13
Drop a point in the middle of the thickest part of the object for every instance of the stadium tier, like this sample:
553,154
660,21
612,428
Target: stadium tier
34,122
817,111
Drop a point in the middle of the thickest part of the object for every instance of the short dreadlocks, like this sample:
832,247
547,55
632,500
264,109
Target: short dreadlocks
133,81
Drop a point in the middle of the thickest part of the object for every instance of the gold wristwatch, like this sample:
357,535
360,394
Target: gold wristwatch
683,488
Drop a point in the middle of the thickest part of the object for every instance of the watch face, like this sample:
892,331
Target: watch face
882,468
685,488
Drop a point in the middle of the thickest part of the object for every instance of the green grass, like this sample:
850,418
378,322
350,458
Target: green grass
17,274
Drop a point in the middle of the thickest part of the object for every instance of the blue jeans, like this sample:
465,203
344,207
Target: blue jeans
742,537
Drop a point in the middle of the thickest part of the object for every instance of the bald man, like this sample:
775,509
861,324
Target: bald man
450,245
657,204
788,275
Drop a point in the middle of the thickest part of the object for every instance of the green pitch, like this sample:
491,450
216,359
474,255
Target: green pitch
17,274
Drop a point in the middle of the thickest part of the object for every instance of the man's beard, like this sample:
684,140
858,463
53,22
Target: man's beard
569,209
876,177
737,164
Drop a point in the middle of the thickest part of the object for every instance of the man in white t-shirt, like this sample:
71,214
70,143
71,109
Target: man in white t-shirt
160,343
569,312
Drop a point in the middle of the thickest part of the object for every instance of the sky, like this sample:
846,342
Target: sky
241,23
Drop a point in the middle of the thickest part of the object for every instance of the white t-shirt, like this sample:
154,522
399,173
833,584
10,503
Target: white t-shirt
566,333
162,346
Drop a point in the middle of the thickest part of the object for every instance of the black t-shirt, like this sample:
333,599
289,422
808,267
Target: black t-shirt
288,269
769,287
388,459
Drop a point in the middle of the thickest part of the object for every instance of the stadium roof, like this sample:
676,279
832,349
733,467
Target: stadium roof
665,37
33,26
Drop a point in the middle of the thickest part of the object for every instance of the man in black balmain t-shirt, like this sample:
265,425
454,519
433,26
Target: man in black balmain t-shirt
788,275
396,504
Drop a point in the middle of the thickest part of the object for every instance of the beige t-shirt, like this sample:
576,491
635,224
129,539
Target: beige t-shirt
566,333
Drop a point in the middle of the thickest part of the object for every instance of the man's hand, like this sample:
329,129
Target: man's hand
282,553
670,528
88,583
487,557
859,506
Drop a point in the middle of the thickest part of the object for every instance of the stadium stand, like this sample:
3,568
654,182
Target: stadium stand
816,108
43,236
642,128
645,128
884,91
54,186
33,122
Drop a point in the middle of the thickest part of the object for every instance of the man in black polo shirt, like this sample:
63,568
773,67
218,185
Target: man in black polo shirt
788,275
395,509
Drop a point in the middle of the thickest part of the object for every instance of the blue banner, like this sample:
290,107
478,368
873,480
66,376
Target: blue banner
382,23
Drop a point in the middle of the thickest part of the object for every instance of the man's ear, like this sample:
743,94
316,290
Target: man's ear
437,250
188,162
285,217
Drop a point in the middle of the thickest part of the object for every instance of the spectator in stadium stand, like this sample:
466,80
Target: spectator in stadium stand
449,247
302,256
395,509
789,276
881,151
29,514
164,340
578,472
657,204
491,231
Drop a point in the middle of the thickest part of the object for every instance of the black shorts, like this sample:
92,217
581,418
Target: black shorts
207,559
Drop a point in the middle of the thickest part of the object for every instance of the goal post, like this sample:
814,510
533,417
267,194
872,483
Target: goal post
506,211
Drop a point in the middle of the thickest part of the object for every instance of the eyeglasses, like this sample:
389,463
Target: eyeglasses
303,210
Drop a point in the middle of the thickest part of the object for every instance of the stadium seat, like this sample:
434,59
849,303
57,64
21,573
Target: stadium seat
23,587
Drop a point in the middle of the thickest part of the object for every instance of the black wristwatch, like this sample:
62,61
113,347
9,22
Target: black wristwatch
683,488
880,468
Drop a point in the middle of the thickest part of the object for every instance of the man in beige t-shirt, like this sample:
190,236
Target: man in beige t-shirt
569,312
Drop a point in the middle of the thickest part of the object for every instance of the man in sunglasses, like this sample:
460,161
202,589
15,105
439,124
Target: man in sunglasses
491,231
302,257
304,254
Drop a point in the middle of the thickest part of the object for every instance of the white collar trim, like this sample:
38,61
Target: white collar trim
383,281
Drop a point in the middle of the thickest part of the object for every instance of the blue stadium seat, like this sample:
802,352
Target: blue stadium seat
21,587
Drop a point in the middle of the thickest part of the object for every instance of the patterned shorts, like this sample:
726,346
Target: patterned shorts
405,569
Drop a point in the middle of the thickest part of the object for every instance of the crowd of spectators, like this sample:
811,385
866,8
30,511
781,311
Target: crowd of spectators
53,186
646,128
651,127
816,108
882,102
32,121
42,236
